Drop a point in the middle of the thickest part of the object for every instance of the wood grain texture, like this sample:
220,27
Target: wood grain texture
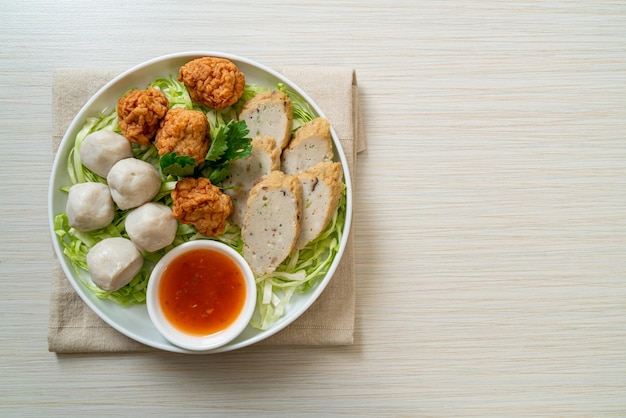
489,220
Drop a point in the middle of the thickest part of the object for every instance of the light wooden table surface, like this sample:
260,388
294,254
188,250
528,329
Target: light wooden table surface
490,209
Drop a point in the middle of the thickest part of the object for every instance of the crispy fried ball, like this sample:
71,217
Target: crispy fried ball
139,114
199,203
211,81
185,132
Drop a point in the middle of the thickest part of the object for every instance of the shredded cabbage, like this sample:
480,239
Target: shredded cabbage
302,112
297,274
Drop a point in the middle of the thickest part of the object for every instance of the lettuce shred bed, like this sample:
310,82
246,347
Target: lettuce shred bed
296,275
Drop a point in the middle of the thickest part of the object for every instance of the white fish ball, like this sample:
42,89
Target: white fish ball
133,182
89,206
151,226
101,149
113,263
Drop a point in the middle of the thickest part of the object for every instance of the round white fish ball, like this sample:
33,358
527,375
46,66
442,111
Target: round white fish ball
151,226
101,149
113,262
133,182
89,206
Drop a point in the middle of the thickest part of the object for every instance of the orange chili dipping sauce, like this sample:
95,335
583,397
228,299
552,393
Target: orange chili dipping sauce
202,292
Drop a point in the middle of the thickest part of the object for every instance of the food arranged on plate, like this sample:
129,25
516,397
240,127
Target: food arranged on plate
203,155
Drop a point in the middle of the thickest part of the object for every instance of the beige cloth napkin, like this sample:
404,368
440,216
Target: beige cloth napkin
74,328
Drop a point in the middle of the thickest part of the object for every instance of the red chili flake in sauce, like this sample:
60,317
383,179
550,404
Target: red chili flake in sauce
202,292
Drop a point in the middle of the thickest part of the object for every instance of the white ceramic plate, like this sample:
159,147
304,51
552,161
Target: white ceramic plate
134,321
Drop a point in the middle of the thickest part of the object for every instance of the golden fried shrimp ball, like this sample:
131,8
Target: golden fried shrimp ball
139,114
185,132
211,81
199,203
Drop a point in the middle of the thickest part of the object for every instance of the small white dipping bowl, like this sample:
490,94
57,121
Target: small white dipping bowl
200,342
